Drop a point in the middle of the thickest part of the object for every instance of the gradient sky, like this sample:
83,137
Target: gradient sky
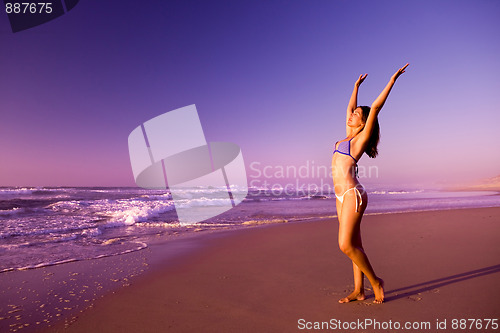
274,77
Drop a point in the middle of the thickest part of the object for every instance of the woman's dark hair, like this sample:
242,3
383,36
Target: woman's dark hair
371,149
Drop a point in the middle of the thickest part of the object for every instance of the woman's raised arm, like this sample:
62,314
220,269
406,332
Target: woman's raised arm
353,102
379,102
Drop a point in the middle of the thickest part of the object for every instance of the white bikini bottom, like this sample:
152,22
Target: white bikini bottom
356,193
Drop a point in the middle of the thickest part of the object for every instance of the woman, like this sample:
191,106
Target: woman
362,131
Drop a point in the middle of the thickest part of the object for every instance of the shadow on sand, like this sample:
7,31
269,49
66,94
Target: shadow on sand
433,284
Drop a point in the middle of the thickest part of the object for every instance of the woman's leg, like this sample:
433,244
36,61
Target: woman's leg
359,277
359,288
350,244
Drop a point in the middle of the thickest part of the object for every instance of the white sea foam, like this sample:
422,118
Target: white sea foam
91,232
65,206
7,192
128,212
165,196
167,225
268,221
121,212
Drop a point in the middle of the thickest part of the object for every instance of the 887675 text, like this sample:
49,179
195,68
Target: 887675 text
28,8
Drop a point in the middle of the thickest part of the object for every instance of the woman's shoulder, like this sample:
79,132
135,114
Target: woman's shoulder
359,138
358,144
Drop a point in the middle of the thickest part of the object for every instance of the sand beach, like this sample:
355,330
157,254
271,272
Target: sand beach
440,267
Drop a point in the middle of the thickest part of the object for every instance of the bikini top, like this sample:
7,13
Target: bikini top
345,149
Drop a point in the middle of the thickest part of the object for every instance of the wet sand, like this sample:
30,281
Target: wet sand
437,266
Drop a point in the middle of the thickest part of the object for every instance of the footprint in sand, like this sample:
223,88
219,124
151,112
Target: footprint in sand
329,291
365,303
415,298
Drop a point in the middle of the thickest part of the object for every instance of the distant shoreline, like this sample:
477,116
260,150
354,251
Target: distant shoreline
484,187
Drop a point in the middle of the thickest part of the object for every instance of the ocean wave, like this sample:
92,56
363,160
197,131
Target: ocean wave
91,232
396,192
38,232
10,192
203,201
264,221
137,247
13,211
51,240
131,211
165,196
167,225
7,192
66,206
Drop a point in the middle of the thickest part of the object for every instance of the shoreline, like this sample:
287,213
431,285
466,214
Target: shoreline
83,240
173,262
249,224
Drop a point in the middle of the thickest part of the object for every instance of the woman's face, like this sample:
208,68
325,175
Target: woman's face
355,119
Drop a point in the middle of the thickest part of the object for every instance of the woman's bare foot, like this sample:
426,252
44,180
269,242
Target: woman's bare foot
354,296
378,289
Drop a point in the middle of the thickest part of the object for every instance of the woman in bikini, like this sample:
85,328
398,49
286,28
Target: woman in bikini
362,132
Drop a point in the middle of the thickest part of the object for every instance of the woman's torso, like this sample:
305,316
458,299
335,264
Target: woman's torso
344,166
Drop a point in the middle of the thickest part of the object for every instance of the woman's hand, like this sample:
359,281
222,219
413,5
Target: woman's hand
360,80
398,73
379,102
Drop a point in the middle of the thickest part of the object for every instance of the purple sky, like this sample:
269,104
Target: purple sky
272,76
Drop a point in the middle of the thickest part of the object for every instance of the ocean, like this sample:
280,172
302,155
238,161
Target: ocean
41,226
